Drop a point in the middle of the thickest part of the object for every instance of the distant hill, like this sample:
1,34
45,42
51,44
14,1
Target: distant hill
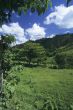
53,43
64,42
57,41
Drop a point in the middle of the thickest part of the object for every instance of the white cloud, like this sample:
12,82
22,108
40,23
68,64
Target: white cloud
35,32
61,16
51,36
16,30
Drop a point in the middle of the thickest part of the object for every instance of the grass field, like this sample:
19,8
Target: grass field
44,89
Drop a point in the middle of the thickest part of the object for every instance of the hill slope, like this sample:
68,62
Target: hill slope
50,44
60,45
57,41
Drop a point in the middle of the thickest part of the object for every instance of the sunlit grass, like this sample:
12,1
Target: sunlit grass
36,83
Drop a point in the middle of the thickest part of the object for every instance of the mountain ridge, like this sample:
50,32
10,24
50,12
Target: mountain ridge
51,44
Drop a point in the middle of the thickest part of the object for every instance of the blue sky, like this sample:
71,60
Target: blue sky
56,20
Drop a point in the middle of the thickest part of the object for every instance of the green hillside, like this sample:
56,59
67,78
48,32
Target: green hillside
64,42
57,41
60,45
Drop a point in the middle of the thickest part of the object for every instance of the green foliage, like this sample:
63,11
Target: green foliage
45,104
32,53
38,88
42,89
8,60
5,42
5,52
8,6
8,39
5,64
64,60
60,49
51,44
9,86
54,52
60,60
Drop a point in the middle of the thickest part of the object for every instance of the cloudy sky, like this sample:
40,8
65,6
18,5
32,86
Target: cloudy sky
56,20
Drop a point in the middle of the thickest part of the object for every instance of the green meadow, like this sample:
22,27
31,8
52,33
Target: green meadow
44,89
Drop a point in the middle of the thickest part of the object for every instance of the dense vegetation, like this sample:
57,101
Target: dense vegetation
56,52
8,58
39,89
30,53
38,75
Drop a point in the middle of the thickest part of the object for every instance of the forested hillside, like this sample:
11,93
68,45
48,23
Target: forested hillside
56,42
56,52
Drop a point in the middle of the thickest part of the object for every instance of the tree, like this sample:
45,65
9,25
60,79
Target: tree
4,45
32,53
7,7
60,60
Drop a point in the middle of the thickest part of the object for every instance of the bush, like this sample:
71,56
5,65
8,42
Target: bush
60,60
64,60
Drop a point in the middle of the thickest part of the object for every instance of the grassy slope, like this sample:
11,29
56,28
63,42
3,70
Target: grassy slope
39,84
